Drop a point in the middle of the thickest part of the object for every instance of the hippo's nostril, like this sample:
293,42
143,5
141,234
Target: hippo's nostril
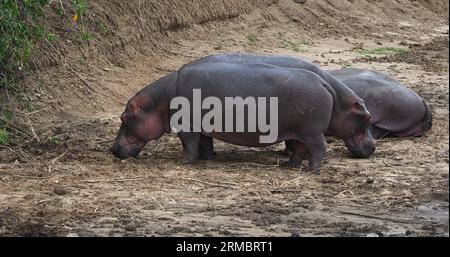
117,152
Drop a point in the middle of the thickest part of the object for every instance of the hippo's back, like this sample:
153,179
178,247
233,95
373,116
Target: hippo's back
304,103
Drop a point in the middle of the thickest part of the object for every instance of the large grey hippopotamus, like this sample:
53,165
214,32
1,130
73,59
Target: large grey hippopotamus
148,113
350,122
396,111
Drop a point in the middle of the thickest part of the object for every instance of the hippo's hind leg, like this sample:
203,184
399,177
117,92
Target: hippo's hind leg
317,148
297,152
288,148
190,141
206,148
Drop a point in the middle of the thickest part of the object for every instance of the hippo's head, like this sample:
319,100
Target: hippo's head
352,124
141,123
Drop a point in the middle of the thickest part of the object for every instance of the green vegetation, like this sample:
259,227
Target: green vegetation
218,46
51,140
80,8
4,137
21,27
382,51
252,38
296,47
86,36
102,28
18,32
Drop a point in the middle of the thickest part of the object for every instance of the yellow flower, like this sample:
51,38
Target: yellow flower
75,17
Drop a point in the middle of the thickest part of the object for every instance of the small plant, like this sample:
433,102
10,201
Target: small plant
80,8
296,47
51,37
4,137
51,140
382,51
86,36
103,29
347,65
252,38
218,46
58,11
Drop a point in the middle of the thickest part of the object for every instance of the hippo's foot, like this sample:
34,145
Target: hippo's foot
285,152
186,160
206,157
314,170
294,163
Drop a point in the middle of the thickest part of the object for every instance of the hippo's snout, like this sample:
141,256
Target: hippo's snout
123,152
365,150
118,152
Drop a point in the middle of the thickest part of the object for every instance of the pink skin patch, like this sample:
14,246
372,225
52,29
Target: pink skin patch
138,127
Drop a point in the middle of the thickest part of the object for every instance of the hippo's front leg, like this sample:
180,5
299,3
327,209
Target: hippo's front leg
206,148
317,148
190,141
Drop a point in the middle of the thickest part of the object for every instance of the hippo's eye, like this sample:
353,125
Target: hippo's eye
358,106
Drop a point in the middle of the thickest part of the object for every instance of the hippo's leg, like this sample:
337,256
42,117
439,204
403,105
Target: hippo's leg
206,148
316,147
190,141
288,148
297,153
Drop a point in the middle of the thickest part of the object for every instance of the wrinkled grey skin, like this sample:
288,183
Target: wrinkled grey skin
291,86
350,120
396,111
312,97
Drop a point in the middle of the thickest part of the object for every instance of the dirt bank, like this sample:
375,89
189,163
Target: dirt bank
70,183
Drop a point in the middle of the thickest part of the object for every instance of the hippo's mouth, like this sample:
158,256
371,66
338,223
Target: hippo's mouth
361,145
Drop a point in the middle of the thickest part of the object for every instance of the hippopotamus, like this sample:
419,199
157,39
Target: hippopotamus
307,105
396,111
350,121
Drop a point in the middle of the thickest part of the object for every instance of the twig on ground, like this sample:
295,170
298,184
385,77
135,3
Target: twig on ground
251,163
387,164
18,155
15,128
38,111
33,132
279,191
379,218
82,79
290,181
207,183
62,8
58,157
114,180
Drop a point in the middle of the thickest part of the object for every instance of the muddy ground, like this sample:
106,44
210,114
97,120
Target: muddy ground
72,185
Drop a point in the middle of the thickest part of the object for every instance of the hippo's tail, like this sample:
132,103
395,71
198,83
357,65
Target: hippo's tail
427,122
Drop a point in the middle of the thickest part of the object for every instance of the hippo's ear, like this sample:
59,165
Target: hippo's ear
358,106
360,109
